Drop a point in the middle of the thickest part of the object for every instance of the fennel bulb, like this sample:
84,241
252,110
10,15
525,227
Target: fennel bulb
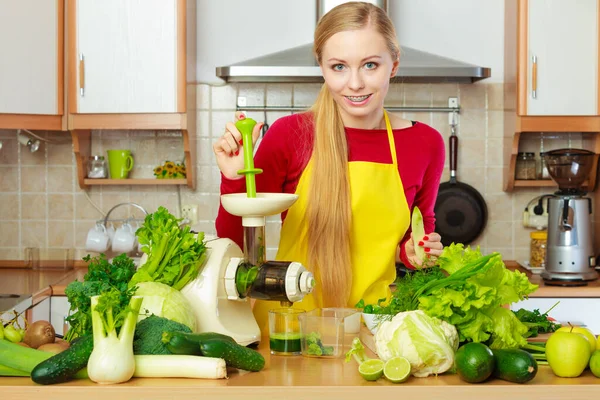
112,359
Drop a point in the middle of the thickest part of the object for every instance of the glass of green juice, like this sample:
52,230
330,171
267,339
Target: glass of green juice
284,331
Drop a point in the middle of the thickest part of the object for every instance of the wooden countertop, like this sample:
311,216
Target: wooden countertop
42,283
592,289
304,378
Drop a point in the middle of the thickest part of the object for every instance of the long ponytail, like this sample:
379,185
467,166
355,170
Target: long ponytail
329,211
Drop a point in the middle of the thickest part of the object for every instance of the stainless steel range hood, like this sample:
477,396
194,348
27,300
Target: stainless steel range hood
299,65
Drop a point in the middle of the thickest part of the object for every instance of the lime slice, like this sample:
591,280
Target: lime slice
397,369
371,370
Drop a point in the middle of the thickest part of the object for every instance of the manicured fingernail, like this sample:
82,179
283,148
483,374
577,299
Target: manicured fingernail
421,243
425,237
427,249
237,152
241,142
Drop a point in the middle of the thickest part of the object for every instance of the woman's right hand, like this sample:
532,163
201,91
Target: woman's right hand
228,149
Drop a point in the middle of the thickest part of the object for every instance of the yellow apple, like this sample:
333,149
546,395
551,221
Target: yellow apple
584,331
568,353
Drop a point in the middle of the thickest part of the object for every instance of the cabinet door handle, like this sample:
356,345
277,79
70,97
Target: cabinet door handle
81,75
534,77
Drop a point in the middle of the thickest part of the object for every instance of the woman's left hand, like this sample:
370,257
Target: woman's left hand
432,244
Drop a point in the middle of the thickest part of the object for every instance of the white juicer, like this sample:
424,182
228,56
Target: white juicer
220,295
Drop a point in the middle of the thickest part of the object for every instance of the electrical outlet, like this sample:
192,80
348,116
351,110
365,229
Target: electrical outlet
190,212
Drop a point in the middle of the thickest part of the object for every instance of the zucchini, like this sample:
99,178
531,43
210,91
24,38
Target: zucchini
514,365
235,355
189,343
63,366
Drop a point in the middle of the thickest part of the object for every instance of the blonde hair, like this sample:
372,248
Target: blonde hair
329,214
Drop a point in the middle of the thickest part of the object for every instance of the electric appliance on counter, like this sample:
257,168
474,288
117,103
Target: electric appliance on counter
221,294
570,253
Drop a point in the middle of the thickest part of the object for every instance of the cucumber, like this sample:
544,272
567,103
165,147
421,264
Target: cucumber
514,365
189,343
418,232
63,366
235,355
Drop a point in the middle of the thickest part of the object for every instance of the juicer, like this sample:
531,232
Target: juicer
220,295
570,256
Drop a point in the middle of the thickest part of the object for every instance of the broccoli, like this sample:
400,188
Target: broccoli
315,346
315,350
148,335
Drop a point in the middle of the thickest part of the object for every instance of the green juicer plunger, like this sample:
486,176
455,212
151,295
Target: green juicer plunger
245,126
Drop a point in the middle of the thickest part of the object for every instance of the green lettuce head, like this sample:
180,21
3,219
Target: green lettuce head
164,301
426,342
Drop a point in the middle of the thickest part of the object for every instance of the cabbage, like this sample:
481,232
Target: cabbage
426,342
164,301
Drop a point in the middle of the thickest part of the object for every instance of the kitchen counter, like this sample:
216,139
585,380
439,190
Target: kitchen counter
304,378
289,377
592,289
28,287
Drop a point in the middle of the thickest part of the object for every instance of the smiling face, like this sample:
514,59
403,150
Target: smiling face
357,67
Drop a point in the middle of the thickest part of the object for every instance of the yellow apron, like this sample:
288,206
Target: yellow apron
380,218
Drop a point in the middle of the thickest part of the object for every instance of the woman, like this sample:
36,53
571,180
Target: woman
358,170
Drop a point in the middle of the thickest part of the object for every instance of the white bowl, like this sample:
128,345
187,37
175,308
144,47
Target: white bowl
371,322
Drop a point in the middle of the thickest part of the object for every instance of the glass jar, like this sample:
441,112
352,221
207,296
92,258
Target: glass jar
526,166
543,169
537,253
96,167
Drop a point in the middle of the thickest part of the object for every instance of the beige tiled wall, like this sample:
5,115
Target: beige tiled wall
41,204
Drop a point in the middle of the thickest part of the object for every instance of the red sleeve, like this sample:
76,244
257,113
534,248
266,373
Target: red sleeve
278,155
426,196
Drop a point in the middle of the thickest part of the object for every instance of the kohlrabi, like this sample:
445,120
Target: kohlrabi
112,359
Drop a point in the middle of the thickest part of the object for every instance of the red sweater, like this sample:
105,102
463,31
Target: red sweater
285,149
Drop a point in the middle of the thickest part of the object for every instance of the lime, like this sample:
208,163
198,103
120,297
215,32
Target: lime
397,369
474,362
595,363
371,370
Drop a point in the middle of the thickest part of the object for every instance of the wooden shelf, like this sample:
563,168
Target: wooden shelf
82,145
534,183
510,183
150,181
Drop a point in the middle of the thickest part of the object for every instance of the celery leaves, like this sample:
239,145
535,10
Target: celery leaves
175,255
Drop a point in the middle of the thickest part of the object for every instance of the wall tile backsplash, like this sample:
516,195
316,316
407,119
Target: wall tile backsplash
41,204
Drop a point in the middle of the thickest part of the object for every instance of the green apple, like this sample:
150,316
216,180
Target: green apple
568,353
584,331
595,363
598,343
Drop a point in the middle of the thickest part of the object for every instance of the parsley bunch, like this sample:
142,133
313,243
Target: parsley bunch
102,277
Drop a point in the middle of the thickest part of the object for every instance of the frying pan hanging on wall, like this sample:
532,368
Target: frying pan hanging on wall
460,210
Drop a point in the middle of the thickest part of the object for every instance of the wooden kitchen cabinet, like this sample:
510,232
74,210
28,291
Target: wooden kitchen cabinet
127,64
32,64
557,57
551,76
127,70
